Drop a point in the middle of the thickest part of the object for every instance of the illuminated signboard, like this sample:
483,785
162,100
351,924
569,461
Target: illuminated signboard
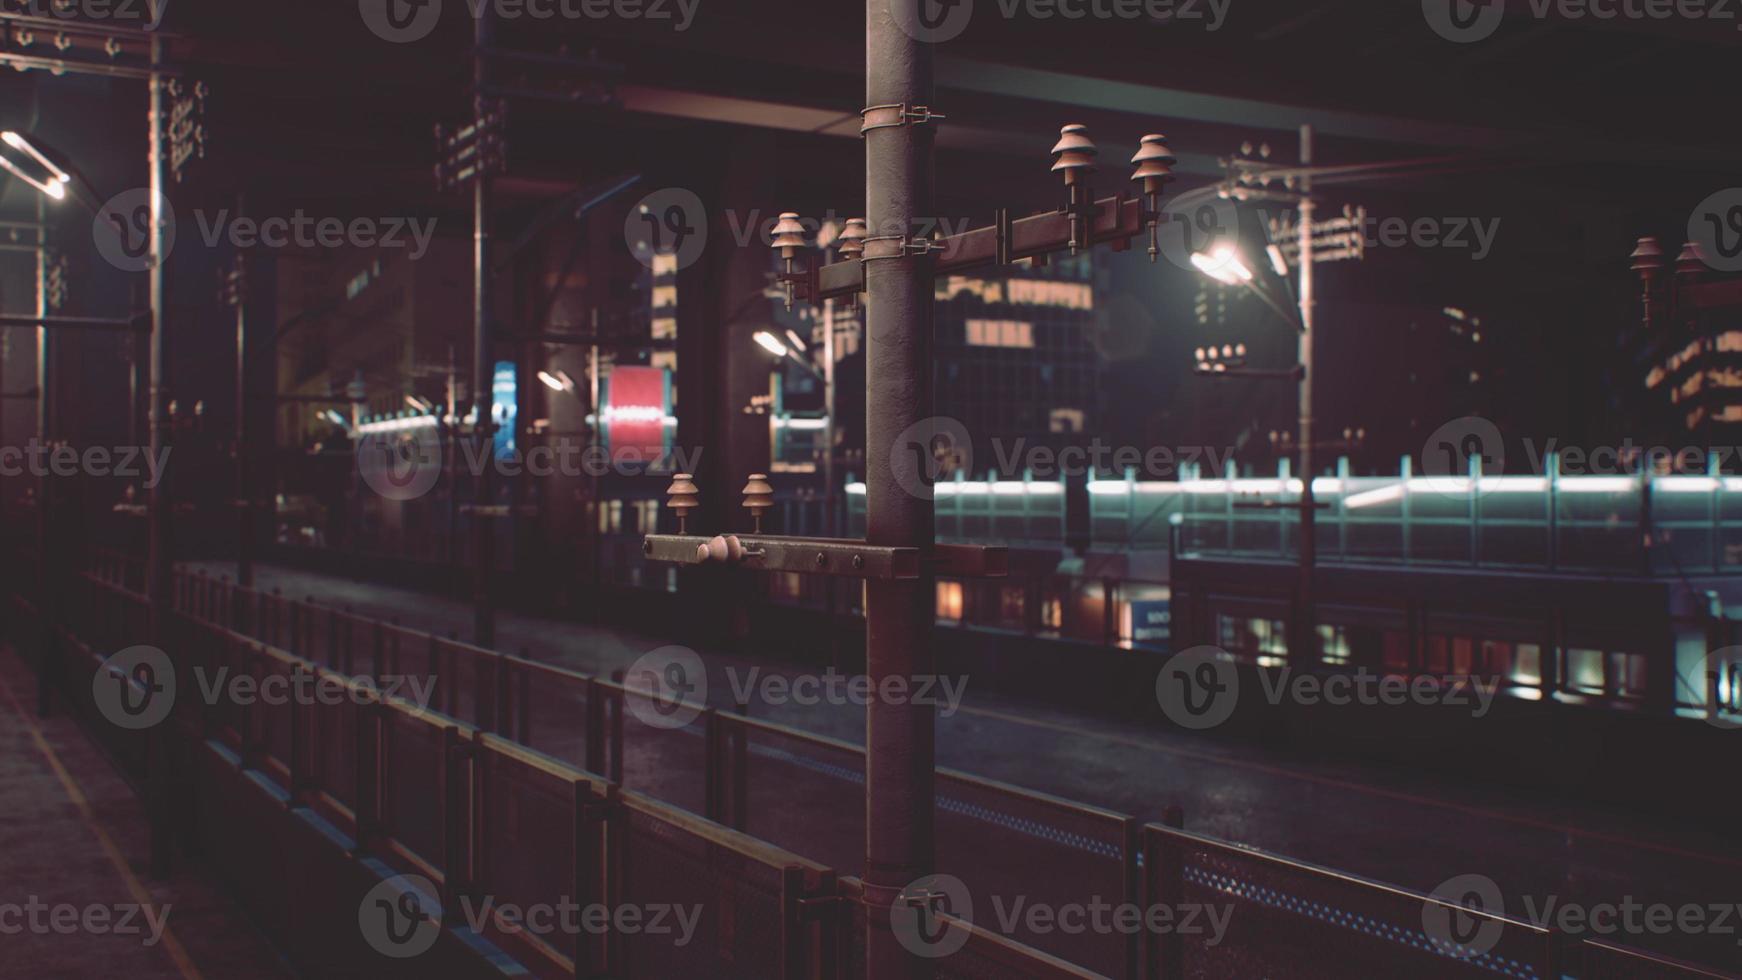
504,408
637,404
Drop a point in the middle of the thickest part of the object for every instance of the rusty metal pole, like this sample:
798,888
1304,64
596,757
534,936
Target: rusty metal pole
1308,631
50,611
899,737
160,565
244,489
483,368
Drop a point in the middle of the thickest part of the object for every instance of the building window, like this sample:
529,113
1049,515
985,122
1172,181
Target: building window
950,601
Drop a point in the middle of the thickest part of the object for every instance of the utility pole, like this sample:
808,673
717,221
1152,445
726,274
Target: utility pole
900,739
1308,629
50,610
830,524
160,567
244,490
483,369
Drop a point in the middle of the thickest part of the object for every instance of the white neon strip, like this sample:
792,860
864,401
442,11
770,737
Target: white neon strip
17,141
1373,497
781,422
1686,484
395,425
1514,484
55,190
1597,484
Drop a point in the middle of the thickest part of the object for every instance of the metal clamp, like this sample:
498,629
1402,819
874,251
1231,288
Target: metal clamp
896,114
875,248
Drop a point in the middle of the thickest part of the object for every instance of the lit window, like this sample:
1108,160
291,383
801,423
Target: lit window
950,601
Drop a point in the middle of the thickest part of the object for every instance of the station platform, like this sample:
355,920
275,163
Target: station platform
76,898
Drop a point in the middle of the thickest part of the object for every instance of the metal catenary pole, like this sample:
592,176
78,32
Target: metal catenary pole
483,370
160,565
244,490
900,737
1308,628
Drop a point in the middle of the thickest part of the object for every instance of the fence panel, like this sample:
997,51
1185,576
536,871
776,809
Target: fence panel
413,770
1290,921
664,751
802,792
733,890
526,840
1072,855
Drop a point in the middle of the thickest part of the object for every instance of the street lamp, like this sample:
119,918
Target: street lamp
54,186
1223,265
778,347
557,380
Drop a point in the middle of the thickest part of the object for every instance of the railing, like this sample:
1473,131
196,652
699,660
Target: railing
537,784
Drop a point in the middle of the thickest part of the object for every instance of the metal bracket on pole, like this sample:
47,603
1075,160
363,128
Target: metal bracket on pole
896,114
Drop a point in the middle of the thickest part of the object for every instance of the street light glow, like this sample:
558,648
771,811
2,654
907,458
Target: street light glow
1223,265
1277,262
558,381
774,345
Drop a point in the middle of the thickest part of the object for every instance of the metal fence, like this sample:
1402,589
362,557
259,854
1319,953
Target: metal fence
537,785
